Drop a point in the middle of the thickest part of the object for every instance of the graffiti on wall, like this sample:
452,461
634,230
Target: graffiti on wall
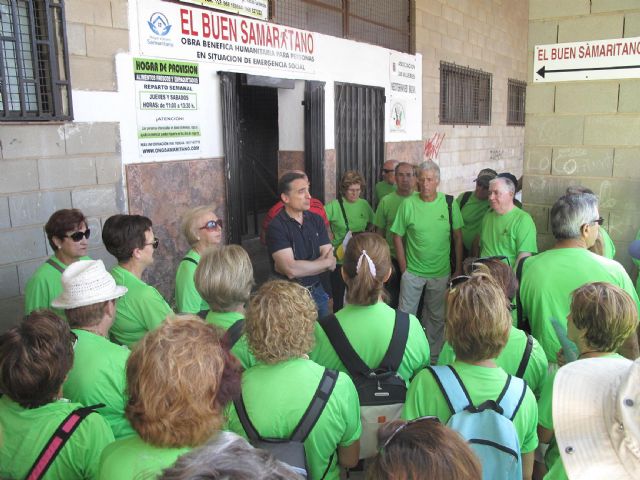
432,146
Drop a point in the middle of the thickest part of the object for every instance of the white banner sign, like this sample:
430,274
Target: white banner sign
248,8
402,74
167,108
183,32
595,60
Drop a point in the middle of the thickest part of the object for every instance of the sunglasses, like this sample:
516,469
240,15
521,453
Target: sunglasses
598,220
485,260
212,225
405,425
454,282
77,236
155,243
74,339
384,170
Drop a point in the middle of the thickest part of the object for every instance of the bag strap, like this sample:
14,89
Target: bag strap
393,358
344,214
452,247
523,323
525,357
58,440
316,407
465,198
511,396
340,343
452,388
189,259
235,331
54,265
309,418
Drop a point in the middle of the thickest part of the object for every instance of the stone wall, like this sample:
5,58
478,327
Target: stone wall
585,132
490,36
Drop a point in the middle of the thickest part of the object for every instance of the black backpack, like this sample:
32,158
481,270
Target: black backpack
291,450
381,391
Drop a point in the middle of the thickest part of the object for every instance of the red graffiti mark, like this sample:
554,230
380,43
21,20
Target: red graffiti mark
432,146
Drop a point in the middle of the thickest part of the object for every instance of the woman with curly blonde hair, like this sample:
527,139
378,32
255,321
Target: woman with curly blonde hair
278,390
179,379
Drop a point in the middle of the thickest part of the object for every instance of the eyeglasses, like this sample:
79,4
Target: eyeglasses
77,236
212,225
598,220
454,282
74,339
155,243
405,425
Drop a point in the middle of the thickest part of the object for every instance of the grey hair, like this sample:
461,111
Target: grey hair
228,457
428,166
506,182
571,212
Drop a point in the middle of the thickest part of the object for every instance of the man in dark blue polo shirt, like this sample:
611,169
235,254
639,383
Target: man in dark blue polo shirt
297,239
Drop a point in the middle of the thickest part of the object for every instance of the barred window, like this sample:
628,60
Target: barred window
380,22
465,95
515,102
34,69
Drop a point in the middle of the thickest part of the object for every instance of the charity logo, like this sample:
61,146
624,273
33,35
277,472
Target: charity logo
159,24
397,115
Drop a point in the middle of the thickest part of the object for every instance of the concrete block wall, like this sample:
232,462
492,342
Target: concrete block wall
586,132
491,36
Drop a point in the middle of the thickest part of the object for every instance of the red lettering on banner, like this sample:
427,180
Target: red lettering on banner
184,22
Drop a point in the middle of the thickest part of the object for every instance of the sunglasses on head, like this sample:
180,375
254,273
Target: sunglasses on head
454,282
485,260
77,236
212,225
405,425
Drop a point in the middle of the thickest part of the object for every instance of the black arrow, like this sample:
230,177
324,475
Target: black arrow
543,70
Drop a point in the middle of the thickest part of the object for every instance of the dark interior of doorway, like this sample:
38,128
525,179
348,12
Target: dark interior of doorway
258,137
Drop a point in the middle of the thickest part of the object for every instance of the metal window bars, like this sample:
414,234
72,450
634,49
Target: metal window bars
465,95
516,96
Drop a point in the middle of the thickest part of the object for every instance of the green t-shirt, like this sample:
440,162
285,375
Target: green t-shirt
25,432
139,311
276,397
426,232
548,280
510,358
132,458
472,214
637,262
386,214
482,383
509,235
545,419
359,214
383,188
609,247
98,376
44,286
241,348
188,300
369,331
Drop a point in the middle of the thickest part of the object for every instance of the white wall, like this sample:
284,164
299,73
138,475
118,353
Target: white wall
291,118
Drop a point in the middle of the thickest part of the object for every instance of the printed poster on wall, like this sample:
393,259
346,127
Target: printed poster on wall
167,108
402,75
249,8
173,30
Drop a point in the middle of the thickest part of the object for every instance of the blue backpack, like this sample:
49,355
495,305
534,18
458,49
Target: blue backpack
488,427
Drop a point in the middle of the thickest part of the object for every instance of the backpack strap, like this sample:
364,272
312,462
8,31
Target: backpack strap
54,265
525,357
309,418
511,396
58,440
340,343
465,198
234,332
344,214
189,259
393,358
451,386
523,323
319,401
452,247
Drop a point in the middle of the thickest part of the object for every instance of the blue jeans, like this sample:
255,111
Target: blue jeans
321,298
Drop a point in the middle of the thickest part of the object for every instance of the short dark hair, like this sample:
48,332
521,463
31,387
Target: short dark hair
35,358
61,222
284,184
122,234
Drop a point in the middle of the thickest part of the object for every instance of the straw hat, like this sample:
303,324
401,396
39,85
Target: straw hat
86,282
596,418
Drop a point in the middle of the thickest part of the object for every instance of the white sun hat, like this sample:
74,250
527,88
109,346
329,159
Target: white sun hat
86,282
596,418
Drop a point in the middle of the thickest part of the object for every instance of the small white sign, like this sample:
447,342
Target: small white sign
594,60
249,8
402,74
